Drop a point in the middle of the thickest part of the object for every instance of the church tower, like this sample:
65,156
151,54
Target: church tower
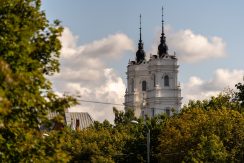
152,85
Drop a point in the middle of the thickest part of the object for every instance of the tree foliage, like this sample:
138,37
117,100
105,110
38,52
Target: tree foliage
122,142
198,135
239,96
205,131
99,143
29,51
225,99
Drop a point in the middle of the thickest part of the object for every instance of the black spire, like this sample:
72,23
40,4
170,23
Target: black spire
140,30
162,47
140,54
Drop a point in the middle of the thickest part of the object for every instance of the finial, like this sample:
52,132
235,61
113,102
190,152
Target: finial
162,14
162,48
162,19
140,28
140,54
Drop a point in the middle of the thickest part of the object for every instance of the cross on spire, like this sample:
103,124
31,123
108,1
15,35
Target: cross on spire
162,19
162,47
140,29
140,54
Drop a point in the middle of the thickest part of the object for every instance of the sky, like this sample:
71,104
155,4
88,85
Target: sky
100,37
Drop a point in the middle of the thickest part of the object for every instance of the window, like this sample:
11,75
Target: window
77,124
166,80
132,85
154,80
144,85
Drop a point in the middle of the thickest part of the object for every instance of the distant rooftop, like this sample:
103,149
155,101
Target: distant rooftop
78,120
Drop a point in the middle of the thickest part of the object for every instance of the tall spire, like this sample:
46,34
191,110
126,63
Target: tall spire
140,29
140,54
162,47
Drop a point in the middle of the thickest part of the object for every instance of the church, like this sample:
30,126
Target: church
152,84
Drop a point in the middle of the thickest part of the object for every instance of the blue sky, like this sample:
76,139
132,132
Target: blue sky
214,28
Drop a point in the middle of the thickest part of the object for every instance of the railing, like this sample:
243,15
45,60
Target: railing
131,97
164,93
134,97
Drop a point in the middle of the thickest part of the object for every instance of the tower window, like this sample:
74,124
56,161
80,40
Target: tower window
144,85
166,80
154,80
132,85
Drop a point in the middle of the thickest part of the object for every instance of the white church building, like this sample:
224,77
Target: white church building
152,85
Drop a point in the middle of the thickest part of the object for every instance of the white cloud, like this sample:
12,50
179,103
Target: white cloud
112,46
197,88
84,72
191,47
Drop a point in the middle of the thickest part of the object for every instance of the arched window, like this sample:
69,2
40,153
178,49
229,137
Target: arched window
154,80
144,85
132,85
166,80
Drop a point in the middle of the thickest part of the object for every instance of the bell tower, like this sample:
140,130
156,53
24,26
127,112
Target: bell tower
152,85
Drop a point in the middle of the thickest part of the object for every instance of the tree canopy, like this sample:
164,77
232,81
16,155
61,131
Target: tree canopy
205,131
198,135
29,51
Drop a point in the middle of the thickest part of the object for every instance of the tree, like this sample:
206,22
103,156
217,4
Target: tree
239,95
135,149
224,99
209,149
123,118
200,135
99,143
29,51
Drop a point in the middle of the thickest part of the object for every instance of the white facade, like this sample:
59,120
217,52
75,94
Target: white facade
161,92
152,85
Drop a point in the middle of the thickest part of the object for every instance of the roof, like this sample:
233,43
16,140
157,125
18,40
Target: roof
78,120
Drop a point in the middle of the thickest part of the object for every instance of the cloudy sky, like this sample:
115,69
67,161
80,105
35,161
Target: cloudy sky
101,36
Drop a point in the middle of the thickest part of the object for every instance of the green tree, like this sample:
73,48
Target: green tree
135,149
29,51
209,149
122,118
239,96
202,135
99,143
223,100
